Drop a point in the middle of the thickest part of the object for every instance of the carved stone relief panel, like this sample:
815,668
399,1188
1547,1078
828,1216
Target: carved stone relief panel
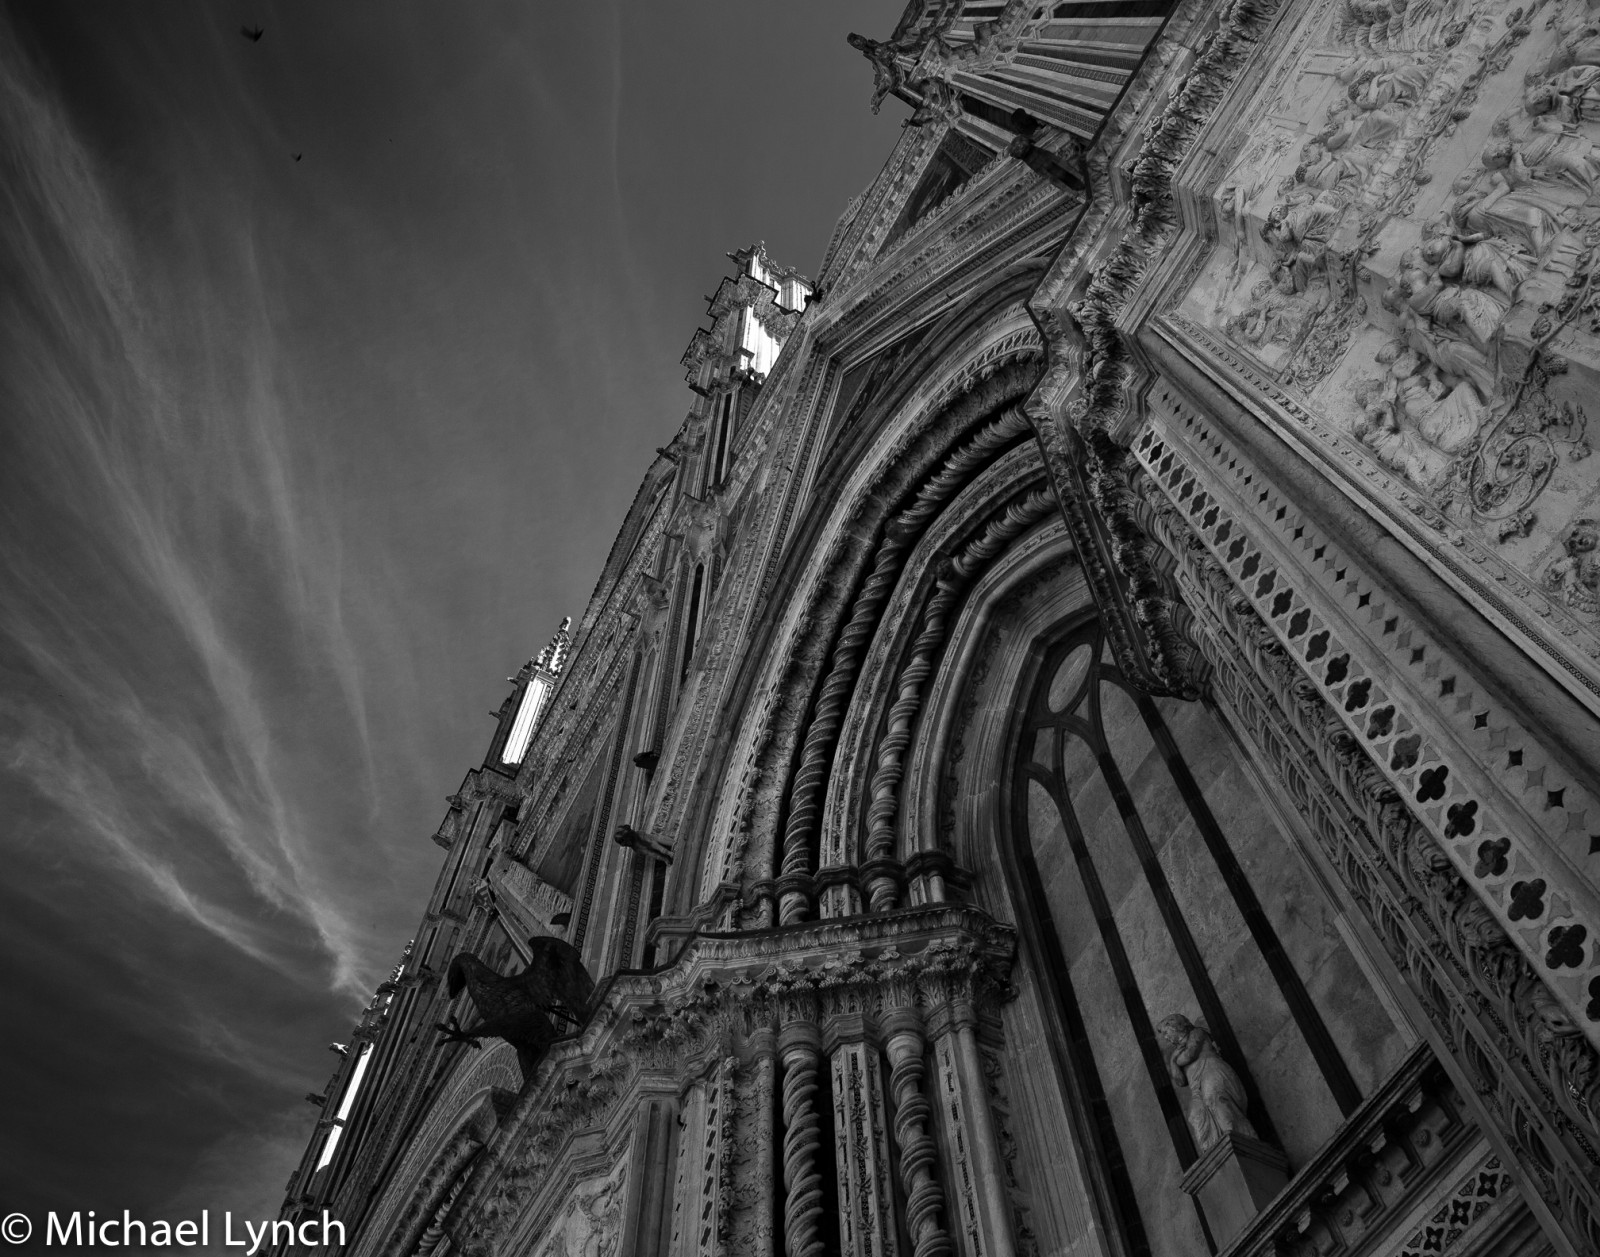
1406,250
590,1223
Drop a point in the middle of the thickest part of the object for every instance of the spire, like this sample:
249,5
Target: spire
537,681
554,656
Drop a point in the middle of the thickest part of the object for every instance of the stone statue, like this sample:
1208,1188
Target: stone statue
1477,258
887,74
1545,151
1216,1095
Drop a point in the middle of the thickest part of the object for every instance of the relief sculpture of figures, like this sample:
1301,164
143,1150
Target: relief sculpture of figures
1216,1095
1408,244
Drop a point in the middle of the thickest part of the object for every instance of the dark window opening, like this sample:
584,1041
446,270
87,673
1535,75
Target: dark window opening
691,630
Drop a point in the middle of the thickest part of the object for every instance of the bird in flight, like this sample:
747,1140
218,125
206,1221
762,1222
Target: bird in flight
252,33
297,156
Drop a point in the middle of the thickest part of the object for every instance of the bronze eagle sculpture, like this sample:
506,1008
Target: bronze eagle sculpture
523,1008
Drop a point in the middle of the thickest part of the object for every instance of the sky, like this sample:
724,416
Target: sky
329,364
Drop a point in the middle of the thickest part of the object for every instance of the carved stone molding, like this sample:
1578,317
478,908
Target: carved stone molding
1091,358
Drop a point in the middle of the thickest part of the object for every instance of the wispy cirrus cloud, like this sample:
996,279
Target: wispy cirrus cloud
182,485
296,459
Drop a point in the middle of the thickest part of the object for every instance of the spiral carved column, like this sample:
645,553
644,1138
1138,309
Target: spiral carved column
810,783
952,580
800,1046
918,1154
891,752
805,807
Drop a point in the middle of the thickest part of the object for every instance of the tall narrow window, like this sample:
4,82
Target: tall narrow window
724,427
691,630
460,855
353,1086
1147,856
522,727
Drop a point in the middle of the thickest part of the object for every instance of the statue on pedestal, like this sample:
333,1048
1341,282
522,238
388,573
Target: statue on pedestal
1217,1100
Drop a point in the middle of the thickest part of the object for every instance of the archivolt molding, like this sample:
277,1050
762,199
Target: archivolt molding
462,1119
1014,473
836,566
740,598
951,582
1005,338
1035,569
1519,1054
960,761
889,545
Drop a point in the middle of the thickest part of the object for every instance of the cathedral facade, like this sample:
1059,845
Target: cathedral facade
1088,739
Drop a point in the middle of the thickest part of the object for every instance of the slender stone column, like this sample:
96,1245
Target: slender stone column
918,1153
800,1046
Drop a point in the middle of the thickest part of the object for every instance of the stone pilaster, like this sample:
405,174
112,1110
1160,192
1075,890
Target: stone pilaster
972,1142
745,1225
860,1126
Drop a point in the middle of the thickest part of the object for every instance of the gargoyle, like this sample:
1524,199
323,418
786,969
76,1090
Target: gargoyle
887,73
643,844
522,1008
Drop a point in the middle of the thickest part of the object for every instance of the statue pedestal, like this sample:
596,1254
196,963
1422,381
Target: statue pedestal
1233,1182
